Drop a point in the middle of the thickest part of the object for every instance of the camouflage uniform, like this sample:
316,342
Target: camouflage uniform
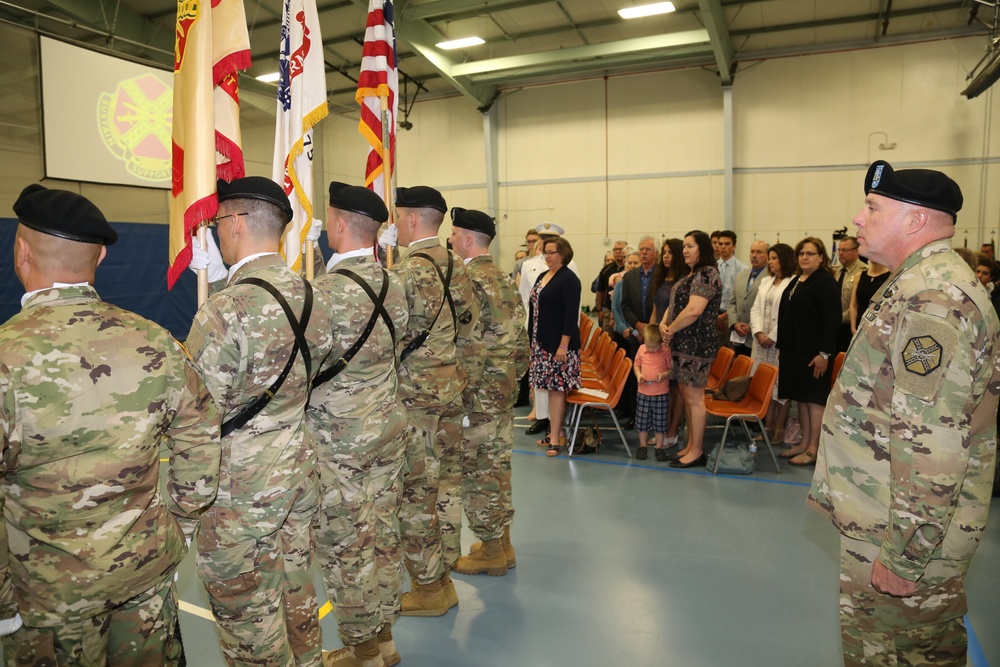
907,456
360,430
88,394
431,384
254,551
498,357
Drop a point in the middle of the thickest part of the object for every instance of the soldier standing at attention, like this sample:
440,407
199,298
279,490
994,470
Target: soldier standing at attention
909,438
88,394
258,343
443,314
360,431
498,357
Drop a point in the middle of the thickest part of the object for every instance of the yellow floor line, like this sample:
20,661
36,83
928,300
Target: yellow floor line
207,615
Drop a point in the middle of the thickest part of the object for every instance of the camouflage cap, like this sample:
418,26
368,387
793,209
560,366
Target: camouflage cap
922,187
421,196
357,199
476,221
64,214
255,187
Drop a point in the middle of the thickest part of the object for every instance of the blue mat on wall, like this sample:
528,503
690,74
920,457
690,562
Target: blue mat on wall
132,276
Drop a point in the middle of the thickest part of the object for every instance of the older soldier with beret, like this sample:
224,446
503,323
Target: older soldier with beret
498,357
88,394
909,437
258,343
360,430
443,314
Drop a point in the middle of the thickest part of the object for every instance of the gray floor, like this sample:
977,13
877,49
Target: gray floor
634,563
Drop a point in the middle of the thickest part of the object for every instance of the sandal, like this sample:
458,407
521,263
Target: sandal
793,452
546,441
804,459
552,451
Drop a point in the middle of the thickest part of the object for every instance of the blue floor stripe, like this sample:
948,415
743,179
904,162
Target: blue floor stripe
705,473
976,656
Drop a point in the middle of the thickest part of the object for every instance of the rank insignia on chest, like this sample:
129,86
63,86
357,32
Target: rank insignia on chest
922,355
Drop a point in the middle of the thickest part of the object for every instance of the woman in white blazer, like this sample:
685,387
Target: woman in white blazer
764,327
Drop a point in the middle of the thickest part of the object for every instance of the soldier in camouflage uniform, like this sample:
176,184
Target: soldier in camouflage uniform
88,394
254,551
431,379
497,358
360,432
909,437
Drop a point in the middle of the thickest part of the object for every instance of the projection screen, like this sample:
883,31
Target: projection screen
106,120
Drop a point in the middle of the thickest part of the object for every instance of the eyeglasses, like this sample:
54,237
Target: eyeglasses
551,252
806,253
213,221
847,249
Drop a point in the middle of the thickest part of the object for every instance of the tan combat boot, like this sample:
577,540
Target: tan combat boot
508,549
448,587
365,654
428,600
387,646
488,560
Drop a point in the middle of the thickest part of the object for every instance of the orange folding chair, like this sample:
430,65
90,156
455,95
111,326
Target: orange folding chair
581,399
838,363
753,408
717,374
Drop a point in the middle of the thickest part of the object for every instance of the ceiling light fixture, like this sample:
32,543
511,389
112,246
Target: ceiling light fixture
646,10
273,77
460,43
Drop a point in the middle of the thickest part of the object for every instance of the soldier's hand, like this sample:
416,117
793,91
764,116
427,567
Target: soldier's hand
210,259
9,626
315,229
389,237
886,581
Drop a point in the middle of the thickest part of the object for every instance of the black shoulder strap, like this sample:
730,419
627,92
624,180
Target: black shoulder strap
298,329
379,311
446,281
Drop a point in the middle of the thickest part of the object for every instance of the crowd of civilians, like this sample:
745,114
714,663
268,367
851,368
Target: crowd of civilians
671,307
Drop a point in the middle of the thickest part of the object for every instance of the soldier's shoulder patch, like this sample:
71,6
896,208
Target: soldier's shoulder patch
924,347
465,317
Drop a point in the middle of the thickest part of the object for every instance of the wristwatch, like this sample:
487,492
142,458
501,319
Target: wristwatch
825,355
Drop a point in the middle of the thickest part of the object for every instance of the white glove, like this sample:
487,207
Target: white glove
389,237
210,259
465,422
9,626
315,229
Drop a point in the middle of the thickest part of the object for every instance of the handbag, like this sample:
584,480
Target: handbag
591,437
734,459
734,389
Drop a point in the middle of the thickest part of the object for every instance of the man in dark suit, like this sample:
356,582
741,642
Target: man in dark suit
637,306
742,297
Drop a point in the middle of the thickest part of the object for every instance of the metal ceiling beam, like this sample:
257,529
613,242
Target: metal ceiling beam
722,46
126,23
843,20
456,10
581,52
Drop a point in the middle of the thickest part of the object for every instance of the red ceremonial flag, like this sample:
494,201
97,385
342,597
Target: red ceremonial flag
211,45
378,78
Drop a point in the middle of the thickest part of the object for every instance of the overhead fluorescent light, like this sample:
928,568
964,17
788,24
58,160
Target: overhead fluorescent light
460,43
273,77
646,10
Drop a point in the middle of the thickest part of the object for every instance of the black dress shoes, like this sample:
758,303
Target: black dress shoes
539,426
697,463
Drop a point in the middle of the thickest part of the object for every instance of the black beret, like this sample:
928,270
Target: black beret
476,221
64,214
922,187
255,187
357,199
420,196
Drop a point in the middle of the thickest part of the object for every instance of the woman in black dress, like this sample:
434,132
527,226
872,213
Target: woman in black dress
868,284
689,328
554,324
808,321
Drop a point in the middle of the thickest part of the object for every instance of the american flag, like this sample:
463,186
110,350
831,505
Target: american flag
378,78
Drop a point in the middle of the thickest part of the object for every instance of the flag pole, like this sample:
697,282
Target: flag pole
310,260
387,166
202,273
